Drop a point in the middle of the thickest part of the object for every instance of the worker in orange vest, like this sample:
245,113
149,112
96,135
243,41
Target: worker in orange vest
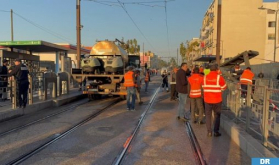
213,84
246,78
129,83
195,95
147,79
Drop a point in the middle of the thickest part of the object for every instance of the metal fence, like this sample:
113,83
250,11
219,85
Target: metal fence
257,108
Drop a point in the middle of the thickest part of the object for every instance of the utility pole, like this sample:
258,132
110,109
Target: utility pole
219,11
78,33
12,26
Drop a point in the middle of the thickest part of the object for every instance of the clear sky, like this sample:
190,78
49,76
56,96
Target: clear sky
106,19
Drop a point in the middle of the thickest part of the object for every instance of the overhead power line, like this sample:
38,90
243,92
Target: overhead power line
123,7
44,29
4,11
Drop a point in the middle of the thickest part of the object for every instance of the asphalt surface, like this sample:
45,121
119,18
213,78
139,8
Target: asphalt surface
162,139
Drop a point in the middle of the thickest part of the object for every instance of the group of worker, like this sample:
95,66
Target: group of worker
20,73
132,82
204,89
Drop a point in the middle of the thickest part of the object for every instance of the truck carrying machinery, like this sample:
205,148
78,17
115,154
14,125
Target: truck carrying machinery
103,70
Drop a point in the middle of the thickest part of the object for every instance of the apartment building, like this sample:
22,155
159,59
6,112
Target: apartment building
243,27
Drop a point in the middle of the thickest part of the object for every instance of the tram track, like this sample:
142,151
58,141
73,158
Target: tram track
58,136
197,152
120,157
71,107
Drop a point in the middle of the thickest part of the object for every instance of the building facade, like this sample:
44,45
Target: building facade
242,28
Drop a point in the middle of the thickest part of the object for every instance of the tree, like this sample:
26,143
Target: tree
182,51
173,62
132,46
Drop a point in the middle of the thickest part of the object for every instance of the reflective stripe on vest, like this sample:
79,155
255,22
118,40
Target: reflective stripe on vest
246,77
128,79
195,82
212,88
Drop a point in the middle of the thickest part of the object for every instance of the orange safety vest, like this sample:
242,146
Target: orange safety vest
246,77
213,84
128,79
147,77
196,82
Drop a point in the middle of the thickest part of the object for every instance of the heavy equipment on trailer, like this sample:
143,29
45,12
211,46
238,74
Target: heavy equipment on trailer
102,71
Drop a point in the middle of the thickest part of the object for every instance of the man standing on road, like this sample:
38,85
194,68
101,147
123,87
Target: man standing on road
213,85
181,88
195,83
129,83
173,84
146,79
20,71
138,85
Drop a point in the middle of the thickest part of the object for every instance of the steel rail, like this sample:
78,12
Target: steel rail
41,119
24,157
195,145
131,138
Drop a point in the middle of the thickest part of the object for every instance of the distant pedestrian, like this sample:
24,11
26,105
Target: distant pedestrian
20,72
181,88
146,79
138,85
195,94
4,80
173,84
129,83
213,85
165,81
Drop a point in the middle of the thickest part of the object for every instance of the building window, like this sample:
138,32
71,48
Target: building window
271,36
270,12
271,24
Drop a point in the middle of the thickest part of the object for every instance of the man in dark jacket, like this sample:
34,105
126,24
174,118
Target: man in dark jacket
20,72
181,88
3,80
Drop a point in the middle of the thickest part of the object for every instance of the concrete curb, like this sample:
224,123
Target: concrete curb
246,142
39,106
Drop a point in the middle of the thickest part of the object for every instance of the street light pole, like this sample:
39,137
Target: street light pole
78,34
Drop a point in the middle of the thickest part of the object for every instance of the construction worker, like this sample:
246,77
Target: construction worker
146,79
138,86
206,71
237,71
246,78
173,84
129,83
195,95
213,84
